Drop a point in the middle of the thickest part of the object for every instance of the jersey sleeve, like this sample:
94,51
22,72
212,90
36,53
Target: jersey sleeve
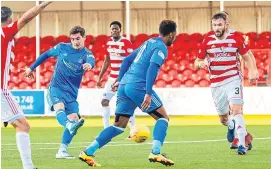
54,52
128,47
90,59
242,45
158,56
11,30
203,49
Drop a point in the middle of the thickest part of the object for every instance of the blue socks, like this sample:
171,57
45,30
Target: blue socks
61,117
67,137
159,134
104,137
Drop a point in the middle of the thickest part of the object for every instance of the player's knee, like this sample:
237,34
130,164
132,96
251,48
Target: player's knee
59,106
236,109
21,126
159,113
73,117
105,103
121,120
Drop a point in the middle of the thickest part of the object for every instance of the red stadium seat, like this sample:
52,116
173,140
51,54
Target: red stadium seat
189,83
62,38
48,40
176,83
160,83
204,83
91,84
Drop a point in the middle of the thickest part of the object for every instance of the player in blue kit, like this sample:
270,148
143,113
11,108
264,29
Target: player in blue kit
136,78
73,60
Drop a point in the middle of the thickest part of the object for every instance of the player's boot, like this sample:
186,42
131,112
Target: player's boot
248,140
75,126
230,134
88,159
64,155
241,150
160,159
234,144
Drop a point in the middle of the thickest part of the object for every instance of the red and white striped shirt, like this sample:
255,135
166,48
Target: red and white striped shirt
117,51
7,45
222,56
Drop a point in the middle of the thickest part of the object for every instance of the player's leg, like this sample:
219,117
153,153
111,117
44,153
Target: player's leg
67,136
234,90
222,107
12,113
107,96
125,108
158,112
56,101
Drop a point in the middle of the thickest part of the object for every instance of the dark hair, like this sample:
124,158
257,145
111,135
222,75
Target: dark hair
115,23
6,12
225,12
220,15
166,27
78,29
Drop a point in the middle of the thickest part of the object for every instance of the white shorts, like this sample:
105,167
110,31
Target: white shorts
108,93
10,109
225,95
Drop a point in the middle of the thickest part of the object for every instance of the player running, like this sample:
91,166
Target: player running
118,47
222,51
73,60
135,81
10,110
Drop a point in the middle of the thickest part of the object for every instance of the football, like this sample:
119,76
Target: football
140,133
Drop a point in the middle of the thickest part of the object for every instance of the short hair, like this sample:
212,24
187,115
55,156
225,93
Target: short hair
115,23
6,12
219,15
225,12
166,27
78,29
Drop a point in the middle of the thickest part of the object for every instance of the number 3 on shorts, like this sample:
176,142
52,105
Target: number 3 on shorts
237,90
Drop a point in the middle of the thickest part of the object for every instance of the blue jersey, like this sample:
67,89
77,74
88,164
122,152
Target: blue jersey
153,50
69,67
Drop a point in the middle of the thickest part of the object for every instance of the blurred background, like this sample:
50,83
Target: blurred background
140,21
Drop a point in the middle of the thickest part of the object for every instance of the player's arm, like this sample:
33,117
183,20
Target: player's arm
31,13
157,60
249,59
199,62
53,52
126,63
103,70
90,62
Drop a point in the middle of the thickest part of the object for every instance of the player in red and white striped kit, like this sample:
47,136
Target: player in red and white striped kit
118,47
222,49
10,110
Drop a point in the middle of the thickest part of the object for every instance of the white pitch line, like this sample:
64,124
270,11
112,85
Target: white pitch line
117,144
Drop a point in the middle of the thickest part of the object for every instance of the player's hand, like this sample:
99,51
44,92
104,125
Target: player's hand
115,86
99,83
87,66
253,76
146,103
28,73
200,65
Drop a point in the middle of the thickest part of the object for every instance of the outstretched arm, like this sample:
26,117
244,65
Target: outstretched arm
31,13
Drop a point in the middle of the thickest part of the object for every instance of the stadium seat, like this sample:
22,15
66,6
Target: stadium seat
160,83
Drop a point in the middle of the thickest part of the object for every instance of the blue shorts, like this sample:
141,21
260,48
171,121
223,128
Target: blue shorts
56,95
130,96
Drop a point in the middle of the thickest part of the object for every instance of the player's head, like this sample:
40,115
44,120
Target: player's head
219,24
115,28
227,15
6,15
77,36
167,30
